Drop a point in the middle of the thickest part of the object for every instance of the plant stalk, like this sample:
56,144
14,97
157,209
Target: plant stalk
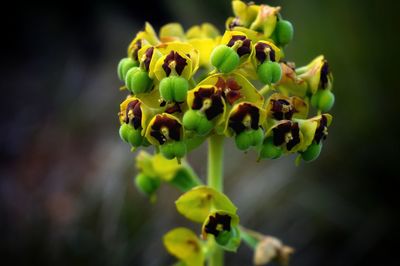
216,181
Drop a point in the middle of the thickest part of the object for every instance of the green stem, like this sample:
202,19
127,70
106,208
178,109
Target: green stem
251,238
216,162
216,181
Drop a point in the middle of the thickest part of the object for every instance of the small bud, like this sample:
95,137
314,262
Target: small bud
271,249
124,65
137,80
269,150
269,72
197,122
174,88
146,184
312,152
323,100
249,138
284,32
174,149
130,135
224,58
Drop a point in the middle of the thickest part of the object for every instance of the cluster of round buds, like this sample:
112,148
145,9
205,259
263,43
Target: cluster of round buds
185,86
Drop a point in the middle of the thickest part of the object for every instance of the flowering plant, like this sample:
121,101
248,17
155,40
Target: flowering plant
188,87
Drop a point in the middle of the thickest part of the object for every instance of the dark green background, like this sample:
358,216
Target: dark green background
66,192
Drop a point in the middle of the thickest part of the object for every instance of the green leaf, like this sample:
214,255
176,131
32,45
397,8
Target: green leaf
197,203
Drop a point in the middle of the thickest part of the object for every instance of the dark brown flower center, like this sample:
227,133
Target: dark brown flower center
133,114
324,79
230,89
263,50
173,108
136,48
322,130
174,61
165,128
218,223
244,47
214,99
234,23
282,109
148,55
287,133
246,116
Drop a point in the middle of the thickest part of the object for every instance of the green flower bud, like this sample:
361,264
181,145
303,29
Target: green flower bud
130,135
224,58
124,65
269,150
312,152
269,72
323,100
229,240
223,237
174,88
146,184
197,122
175,149
249,138
284,32
137,80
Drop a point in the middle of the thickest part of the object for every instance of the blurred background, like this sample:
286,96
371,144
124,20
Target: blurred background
66,191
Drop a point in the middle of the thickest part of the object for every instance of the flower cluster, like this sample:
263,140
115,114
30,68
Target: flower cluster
186,86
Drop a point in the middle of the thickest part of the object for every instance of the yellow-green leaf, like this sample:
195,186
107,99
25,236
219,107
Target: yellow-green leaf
196,204
184,245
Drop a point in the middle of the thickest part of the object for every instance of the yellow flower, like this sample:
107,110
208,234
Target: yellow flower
204,38
147,36
162,128
135,112
280,107
243,116
239,42
178,59
317,74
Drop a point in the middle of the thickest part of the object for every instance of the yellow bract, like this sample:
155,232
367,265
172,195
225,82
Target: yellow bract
290,83
197,203
266,19
246,13
147,36
172,32
205,48
312,74
185,245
